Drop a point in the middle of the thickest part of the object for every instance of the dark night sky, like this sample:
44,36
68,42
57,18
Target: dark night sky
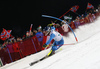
18,15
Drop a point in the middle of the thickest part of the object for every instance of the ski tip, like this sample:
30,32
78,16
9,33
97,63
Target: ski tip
33,63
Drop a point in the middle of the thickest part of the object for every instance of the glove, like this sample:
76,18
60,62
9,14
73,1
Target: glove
45,45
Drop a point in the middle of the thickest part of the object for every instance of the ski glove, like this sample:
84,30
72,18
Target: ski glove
45,45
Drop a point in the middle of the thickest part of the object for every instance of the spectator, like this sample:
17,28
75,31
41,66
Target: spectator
69,20
77,22
97,13
99,7
82,20
94,17
65,28
16,51
94,11
86,19
4,44
63,22
39,35
34,32
23,37
31,34
27,34
72,25
10,48
90,17
85,14
44,32
57,26
82,16
19,39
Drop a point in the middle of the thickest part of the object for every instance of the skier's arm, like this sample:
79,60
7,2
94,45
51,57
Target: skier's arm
51,37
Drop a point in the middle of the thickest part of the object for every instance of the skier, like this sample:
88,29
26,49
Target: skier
58,40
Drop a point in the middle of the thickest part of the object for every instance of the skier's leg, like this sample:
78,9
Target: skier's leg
57,44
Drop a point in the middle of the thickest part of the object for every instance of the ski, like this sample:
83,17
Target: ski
32,63
48,55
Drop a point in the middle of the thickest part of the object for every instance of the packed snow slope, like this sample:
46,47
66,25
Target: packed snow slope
82,55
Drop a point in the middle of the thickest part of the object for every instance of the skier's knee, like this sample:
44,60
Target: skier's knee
54,48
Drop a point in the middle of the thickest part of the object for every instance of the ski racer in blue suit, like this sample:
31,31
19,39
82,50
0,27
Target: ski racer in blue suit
58,39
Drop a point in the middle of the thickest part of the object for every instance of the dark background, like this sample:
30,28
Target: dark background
19,15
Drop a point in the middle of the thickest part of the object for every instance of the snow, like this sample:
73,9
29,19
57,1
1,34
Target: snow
82,55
